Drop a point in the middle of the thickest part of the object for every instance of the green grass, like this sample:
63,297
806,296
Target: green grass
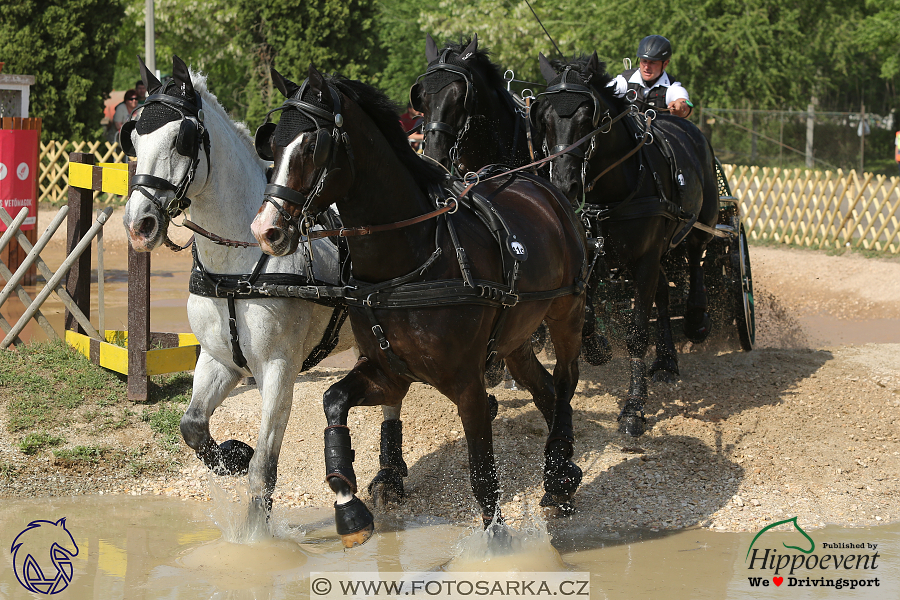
80,454
47,388
35,442
48,384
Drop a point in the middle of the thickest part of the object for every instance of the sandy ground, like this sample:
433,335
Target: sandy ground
806,424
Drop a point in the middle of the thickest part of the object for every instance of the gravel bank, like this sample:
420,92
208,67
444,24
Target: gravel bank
802,425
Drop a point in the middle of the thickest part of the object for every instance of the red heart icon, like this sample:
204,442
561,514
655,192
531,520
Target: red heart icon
777,580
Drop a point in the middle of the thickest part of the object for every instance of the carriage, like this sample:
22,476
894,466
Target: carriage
729,283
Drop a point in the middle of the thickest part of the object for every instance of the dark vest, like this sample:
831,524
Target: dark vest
655,98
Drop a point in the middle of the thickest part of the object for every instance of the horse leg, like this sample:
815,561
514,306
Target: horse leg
553,397
697,324
353,520
594,347
276,385
631,419
474,411
212,382
665,367
387,485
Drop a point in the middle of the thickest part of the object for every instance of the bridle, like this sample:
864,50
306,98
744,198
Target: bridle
192,134
323,156
602,123
470,102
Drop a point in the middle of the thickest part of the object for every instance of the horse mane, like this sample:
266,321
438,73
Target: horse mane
212,104
599,80
481,59
383,111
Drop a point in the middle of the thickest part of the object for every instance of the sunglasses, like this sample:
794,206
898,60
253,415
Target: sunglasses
130,99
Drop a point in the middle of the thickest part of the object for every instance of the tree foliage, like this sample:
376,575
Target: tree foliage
69,46
337,36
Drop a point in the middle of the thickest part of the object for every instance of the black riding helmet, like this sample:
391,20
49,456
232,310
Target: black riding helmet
655,47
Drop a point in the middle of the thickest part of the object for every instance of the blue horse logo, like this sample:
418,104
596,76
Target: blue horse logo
30,550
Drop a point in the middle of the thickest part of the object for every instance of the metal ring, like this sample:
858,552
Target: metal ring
650,114
455,205
468,179
649,138
529,95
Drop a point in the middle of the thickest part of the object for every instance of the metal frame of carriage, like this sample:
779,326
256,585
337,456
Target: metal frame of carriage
729,283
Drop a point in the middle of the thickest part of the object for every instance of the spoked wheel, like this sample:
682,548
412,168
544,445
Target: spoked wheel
743,292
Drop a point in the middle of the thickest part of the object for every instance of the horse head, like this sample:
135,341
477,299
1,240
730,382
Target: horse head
308,169
460,96
168,137
575,103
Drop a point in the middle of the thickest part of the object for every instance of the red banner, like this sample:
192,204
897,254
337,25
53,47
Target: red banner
18,173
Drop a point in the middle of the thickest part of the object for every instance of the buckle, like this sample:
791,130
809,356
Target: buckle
515,299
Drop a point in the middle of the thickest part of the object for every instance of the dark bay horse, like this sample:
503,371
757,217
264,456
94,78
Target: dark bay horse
470,122
636,205
433,295
470,119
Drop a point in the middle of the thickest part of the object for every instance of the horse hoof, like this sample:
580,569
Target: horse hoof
632,425
354,522
595,350
387,487
358,538
494,406
697,331
557,507
494,375
236,457
562,481
664,376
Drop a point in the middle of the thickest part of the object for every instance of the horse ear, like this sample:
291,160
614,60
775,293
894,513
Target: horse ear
147,77
547,69
469,52
317,82
594,63
284,85
431,49
181,74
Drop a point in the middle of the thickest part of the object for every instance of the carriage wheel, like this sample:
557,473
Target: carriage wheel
743,292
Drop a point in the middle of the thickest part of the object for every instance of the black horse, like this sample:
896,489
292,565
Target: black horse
470,119
443,282
640,206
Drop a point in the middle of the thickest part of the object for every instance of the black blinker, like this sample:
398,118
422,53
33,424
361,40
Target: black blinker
186,142
263,141
322,152
125,142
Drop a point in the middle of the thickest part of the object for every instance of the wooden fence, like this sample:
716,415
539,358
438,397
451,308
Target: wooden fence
819,209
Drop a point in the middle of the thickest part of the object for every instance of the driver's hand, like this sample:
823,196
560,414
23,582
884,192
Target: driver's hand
679,108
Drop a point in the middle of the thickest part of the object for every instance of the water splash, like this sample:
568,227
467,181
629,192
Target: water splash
238,517
502,548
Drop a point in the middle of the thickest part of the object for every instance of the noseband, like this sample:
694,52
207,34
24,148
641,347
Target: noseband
192,134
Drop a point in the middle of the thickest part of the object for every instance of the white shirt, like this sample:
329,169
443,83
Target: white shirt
674,92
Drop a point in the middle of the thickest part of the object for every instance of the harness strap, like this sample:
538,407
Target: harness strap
329,339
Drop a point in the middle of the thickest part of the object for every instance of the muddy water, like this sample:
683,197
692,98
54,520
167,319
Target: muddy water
148,547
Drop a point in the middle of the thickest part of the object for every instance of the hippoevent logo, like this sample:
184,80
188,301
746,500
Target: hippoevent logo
808,568
42,556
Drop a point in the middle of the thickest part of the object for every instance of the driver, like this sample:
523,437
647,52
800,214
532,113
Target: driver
652,86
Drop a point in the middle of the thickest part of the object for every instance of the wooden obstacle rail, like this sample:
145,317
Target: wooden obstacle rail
819,209
145,353
53,176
